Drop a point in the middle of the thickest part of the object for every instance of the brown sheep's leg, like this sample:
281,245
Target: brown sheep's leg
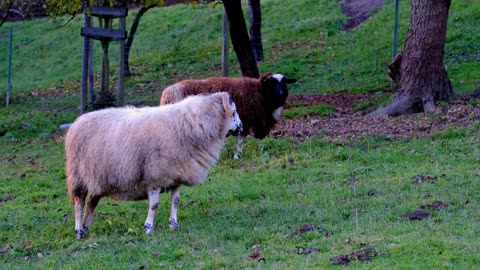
79,202
153,200
173,222
238,151
91,205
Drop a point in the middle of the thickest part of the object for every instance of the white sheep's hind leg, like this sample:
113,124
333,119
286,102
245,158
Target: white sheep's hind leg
153,200
79,202
239,148
91,205
173,222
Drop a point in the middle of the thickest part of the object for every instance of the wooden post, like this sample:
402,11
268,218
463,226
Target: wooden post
91,79
225,41
10,51
121,71
104,34
86,51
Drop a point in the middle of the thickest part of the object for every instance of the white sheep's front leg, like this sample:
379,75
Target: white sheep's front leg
153,200
173,222
239,148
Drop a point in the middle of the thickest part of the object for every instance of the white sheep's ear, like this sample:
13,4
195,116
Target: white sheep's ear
226,104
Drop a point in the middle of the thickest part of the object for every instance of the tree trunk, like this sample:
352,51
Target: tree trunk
255,28
131,36
419,69
240,40
105,98
104,92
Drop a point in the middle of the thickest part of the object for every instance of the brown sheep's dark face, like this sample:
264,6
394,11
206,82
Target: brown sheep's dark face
277,90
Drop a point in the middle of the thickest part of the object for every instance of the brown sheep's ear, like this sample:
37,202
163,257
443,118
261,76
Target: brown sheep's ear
265,76
226,104
289,81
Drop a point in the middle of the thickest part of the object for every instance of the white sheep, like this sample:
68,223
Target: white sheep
135,154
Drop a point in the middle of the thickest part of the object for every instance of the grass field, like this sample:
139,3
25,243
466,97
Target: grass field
357,191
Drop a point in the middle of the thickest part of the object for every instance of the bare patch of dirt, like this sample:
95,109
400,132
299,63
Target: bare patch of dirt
436,205
347,124
308,228
417,215
363,255
358,11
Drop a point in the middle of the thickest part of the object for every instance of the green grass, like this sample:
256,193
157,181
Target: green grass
358,190
278,186
304,111
302,40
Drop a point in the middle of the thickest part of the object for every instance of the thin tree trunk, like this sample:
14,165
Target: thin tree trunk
255,28
422,78
240,40
131,36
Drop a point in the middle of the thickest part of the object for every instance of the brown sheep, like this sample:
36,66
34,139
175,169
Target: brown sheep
259,101
135,154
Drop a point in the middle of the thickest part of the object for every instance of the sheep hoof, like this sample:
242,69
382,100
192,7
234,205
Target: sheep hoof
80,234
148,228
173,225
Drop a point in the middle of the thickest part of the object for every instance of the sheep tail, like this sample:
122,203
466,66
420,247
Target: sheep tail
76,189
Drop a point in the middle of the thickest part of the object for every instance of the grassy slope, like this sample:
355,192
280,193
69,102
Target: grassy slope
302,40
279,185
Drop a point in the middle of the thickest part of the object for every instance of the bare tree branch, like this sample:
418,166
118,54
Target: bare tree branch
67,22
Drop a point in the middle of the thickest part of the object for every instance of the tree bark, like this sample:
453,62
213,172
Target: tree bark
419,69
104,92
255,28
240,40
105,97
131,36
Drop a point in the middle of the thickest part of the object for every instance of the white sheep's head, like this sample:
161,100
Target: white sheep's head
234,123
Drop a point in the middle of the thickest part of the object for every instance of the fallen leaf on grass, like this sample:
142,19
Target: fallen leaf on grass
306,251
5,249
256,256
419,178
